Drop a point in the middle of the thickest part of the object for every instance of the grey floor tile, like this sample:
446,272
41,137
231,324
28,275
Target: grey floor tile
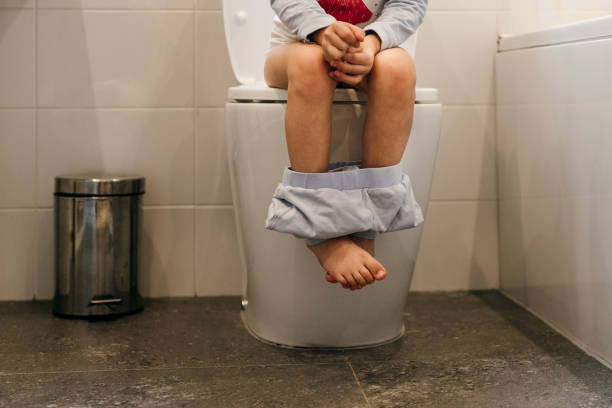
323,385
461,349
481,324
479,349
168,333
518,382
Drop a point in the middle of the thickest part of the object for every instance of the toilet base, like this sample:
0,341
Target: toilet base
290,304
289,346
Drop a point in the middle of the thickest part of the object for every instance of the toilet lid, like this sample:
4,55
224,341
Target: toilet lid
248,24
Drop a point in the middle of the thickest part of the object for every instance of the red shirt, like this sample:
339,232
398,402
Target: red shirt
350,11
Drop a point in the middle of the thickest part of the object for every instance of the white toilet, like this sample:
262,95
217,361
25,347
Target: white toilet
286,299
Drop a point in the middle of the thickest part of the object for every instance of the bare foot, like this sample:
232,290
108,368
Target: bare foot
365,244
347,263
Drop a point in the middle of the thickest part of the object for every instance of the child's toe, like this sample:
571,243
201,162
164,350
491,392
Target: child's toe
330,278
376,269
365,272
359,279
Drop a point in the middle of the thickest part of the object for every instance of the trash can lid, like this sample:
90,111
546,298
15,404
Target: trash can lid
99,184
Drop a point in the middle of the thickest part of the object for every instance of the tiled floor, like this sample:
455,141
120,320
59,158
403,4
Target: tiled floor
461,349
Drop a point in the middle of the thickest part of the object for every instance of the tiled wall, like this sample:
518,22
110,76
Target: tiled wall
455,53
519,16
139,86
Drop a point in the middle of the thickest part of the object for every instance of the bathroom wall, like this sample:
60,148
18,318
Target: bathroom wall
138,86
132,86
455,54
520,16
555,102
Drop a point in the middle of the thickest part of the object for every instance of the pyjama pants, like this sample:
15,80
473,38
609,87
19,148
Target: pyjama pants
347,200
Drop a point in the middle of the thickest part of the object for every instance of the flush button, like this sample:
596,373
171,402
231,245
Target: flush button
241,17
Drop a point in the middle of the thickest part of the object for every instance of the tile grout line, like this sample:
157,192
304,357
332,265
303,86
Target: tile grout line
496,175
467,105
36,180
365,397
186,107
106,370
117,108
461,200
195,143
119,10
145,207
459,10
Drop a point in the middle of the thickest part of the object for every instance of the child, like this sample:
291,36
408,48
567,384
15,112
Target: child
316,46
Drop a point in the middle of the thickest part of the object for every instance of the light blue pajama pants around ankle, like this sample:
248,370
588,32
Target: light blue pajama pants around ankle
347,200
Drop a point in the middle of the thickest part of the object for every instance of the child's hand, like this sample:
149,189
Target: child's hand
357,62
336,39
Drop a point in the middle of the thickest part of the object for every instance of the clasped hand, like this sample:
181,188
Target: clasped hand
348,51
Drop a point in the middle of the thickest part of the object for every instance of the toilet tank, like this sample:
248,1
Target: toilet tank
248,24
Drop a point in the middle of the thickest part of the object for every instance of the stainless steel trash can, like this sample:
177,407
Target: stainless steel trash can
97,228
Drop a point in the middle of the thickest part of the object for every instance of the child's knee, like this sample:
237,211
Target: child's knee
394,72
308,72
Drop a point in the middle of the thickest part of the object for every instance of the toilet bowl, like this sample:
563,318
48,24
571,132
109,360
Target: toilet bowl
286,300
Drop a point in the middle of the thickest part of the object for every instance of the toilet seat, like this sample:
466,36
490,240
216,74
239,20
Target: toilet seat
260,92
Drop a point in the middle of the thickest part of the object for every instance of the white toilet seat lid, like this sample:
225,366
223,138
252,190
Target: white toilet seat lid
259,91
248,24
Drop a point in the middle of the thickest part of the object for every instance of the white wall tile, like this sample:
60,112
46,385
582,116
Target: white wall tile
492,5
217,254
213,69
209,4
602,5
459,247
155,143
167,253
118,4
465,164
44,276
573,16
16,4
506,23
520,16
455,53
505,5
212,171
513,22
17,159
16,58
18,254
108,58
531,4
164,264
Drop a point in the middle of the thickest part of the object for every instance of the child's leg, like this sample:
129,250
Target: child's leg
391,91
302,70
